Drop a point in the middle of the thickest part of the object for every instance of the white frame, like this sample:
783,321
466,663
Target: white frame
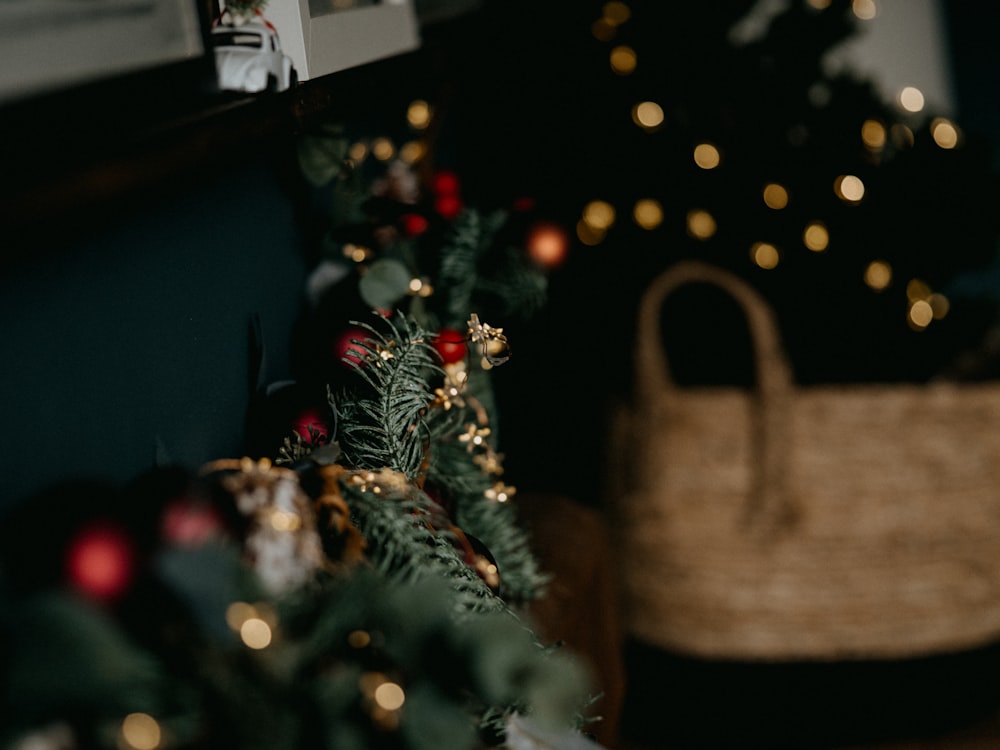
50,45
345,38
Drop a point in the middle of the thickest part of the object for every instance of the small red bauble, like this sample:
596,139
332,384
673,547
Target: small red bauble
311,418
414,224
346,348
190,522
100,561
449,206
450,344
445,183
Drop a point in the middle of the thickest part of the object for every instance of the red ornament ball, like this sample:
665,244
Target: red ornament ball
450,344
311,418
100,561
414,224
189,522
445,183
448,206
345,347
548,244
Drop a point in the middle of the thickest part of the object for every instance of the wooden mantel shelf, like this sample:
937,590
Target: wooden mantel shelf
80,152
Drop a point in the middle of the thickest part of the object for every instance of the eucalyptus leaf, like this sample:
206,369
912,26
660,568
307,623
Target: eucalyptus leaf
321,157
385,282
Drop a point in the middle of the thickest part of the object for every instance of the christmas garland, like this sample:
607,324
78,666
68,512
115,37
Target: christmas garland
355,587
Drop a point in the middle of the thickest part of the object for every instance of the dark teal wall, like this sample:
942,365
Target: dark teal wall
138,334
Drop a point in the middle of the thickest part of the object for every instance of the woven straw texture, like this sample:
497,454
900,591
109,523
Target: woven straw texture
783,522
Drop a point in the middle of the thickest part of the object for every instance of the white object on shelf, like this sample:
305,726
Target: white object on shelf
249,57
329,42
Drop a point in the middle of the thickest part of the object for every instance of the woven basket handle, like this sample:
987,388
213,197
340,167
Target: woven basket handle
652,370
768,496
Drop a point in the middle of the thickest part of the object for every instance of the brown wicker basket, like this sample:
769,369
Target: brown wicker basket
787,522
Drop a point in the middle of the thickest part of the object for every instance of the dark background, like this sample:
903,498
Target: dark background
126,330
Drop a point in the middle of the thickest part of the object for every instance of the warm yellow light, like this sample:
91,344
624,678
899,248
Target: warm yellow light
602,30
864,9
648,213
382,149
878,275
285,521
700,224
816,237
939,305
616,13
599,214
921,314
706,156
359,639
389,696
589,235
357,253
256,633
901,135
764,254
623,60
141,732
849,188
911,99
873,134
775,196
239,612
357,151
647,115
418,114
944,133
412,151
917,290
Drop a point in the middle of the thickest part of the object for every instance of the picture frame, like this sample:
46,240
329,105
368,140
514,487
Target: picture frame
48,46
327,36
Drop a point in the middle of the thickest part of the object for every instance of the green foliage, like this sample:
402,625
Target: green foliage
322,155
382,525
65,651
469,239
388,422
385,282
453,468
384,427
404,545
412,616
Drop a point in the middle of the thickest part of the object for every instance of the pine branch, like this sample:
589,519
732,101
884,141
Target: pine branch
453,468
403,547
496,525
385,428
520,288
469,240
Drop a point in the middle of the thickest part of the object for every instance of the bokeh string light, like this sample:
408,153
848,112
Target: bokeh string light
884,132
